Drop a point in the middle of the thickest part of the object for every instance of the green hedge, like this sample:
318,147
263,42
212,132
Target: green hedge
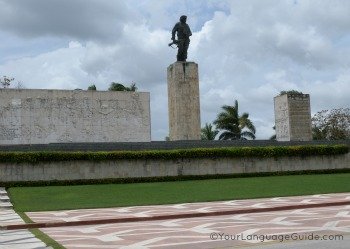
232,152
166,178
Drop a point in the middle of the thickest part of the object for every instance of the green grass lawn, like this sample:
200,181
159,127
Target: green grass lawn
116,195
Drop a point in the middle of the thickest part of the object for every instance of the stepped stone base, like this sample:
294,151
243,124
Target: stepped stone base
183,100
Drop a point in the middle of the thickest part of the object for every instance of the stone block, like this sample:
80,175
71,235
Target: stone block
293,117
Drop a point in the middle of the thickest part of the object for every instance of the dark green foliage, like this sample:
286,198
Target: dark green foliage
291,92
235,152
233,125
208,132
120,87
166,178
92,88
116,87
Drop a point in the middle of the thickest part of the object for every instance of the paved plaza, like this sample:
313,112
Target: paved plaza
185,208
280,228
210,232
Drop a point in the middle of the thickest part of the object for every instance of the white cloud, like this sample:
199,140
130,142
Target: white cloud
246,50
100,20
56,69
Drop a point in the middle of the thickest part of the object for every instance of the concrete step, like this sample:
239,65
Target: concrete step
5,205
4,198
9,217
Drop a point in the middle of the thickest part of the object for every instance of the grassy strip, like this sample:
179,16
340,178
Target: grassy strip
236,152
40,235
114,195
46,239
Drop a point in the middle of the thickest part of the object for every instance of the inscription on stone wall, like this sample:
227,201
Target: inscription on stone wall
293,118
51,116
8,133
282,119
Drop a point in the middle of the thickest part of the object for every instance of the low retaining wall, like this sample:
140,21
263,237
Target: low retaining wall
83,170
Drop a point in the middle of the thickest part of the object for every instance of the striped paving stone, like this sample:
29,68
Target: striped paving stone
4,200
208,232
185,208
20,239
9,216
15,239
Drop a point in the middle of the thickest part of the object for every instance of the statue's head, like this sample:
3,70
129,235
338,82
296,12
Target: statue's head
183,19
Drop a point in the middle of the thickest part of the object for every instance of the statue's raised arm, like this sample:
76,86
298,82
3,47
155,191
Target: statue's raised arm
183,32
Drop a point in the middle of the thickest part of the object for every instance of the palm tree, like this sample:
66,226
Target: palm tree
234,126
207,132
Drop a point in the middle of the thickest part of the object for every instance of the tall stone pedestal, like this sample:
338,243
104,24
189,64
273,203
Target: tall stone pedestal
293,117
183,101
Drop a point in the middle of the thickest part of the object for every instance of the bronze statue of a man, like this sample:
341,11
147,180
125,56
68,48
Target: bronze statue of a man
183,38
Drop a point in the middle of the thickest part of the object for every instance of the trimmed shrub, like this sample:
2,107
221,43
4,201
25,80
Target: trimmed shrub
166,178
231,152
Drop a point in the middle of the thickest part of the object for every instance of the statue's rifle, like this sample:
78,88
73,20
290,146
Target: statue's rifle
176,42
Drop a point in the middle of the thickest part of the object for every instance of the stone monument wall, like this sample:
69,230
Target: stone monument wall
293,117
64,116
183,99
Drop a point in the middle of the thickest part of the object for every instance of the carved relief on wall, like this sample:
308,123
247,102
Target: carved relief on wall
46,116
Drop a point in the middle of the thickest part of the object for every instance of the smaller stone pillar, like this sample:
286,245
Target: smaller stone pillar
293,117
183,101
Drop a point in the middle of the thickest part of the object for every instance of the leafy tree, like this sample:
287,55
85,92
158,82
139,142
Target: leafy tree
208,133
234,126
120,87
116,87
6,81
92,87
132,87
331,125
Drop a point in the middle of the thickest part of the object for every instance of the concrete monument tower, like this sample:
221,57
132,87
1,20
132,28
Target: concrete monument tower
293,117
183,101
183,88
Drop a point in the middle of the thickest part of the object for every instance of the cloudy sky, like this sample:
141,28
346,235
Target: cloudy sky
248,50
